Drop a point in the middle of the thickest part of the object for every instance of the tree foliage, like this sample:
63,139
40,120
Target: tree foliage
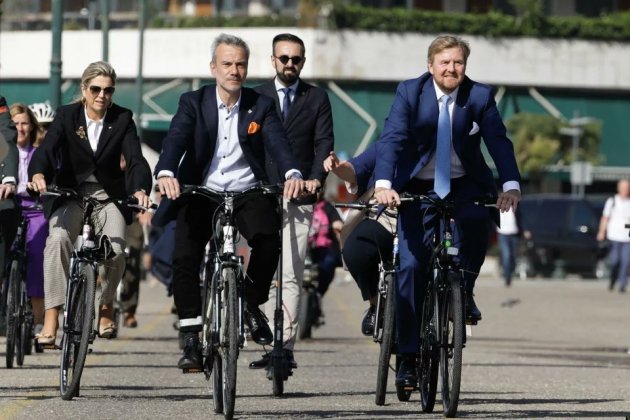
538,142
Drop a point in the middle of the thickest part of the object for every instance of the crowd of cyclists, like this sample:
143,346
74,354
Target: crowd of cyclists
229,137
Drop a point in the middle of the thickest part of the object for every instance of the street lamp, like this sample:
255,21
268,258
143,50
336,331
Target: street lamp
581,172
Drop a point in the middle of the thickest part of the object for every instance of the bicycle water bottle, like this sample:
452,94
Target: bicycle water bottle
88,241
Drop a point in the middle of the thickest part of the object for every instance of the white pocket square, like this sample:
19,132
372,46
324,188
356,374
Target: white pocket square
475,129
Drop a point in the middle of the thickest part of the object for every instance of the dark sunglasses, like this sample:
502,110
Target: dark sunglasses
96,90
284,59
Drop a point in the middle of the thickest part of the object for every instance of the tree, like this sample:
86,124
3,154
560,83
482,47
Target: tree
538,143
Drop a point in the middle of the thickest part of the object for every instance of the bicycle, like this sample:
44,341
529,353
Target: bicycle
223,302
80,317
19,314
310,310
442,326
384,327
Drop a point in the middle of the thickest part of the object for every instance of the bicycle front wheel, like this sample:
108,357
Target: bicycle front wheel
229,341
12,312
76,338
452,338
388,307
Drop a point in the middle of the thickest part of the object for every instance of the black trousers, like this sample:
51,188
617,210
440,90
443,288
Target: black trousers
367,245
257,220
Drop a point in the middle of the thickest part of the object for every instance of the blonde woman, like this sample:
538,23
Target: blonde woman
82,150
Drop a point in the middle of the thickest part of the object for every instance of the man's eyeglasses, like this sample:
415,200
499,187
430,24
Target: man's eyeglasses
284,59
96,90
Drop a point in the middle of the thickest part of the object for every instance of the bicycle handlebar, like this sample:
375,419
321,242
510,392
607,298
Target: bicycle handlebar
55,191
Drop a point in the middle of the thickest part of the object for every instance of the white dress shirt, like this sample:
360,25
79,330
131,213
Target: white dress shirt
229,170
94,130
292,90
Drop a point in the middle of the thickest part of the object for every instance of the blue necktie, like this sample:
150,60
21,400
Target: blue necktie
286,104
442,182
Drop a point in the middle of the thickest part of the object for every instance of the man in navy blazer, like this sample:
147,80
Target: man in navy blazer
309,127
408,159
218,138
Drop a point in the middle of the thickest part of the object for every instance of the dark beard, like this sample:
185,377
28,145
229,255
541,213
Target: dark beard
287,79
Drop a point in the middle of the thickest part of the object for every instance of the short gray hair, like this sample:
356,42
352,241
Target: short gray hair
229,40
98,68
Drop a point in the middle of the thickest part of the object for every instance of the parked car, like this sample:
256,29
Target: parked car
559,237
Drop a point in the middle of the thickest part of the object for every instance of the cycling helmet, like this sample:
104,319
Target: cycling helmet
43,112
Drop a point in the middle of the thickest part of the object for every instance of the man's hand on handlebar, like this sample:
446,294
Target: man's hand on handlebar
508,199
387,197
293,187
311,186
169,187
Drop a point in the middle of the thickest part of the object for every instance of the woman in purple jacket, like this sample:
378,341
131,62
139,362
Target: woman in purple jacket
37,231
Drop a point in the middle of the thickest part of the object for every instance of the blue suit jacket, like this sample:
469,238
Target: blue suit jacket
410,133
364,168
193,136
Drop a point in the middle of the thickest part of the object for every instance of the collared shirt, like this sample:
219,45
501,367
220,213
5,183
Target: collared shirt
292,90
23,168
94,130
229,170
457,169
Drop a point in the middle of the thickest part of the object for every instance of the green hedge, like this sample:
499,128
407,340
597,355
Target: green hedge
608,27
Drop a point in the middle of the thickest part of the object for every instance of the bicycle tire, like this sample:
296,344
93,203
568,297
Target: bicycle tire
452,335
11,313
217,383
429,355
278,375
75,343
230,342
305,314
24,328
387,339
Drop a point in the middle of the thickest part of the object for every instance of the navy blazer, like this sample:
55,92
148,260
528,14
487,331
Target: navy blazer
192,138
66,157
363,165
309,128
410,134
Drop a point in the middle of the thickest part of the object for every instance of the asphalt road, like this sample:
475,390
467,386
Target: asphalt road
545,349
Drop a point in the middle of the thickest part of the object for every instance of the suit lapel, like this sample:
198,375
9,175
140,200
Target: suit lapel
298,102
269,89
80,131
209,111
460,116
106,133
245,111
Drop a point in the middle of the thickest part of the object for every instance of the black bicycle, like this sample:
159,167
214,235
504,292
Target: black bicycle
80,319
309,307
442,325
385,316
223,303
19,314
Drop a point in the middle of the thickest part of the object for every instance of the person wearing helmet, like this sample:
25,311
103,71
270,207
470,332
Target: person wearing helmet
45,115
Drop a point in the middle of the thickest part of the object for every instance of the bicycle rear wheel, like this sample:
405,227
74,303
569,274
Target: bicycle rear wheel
229,341
306,314
388,306
429,354
452,337
217,383
12,312
76,338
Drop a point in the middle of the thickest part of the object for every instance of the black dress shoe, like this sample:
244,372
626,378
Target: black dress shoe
406,375
288,355
258,327
367,325
472,312
261,363
191,359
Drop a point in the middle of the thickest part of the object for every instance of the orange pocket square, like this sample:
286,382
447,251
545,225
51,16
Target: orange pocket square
253,128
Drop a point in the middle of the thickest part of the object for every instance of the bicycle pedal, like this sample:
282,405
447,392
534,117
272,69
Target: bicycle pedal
51,346
192,370
471,322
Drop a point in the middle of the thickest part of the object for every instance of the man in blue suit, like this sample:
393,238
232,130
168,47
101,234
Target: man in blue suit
431,145
218,138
